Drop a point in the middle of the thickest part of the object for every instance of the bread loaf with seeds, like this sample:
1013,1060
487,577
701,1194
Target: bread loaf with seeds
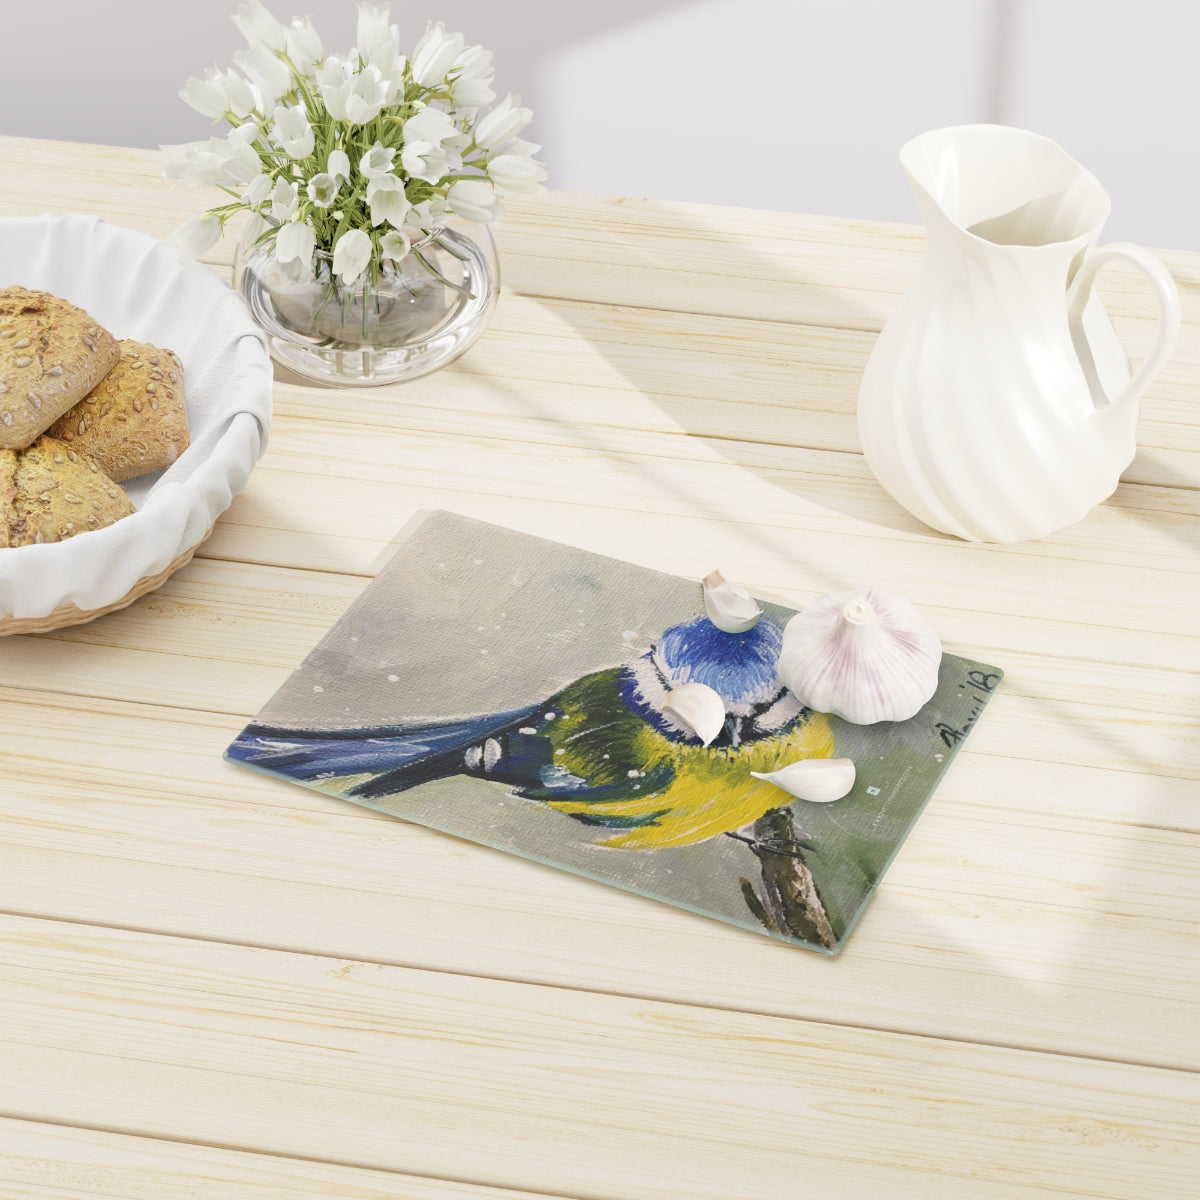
49,492
135,419
51,355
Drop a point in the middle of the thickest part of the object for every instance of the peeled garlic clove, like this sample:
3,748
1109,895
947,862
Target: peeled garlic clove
817,780
698,708
729,606
865,656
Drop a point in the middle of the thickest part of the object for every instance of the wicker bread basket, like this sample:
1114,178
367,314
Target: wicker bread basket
138,288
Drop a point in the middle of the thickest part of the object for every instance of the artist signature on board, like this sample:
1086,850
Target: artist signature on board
979,685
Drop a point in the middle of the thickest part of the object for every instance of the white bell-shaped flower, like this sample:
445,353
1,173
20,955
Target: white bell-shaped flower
291,131
335,78
351,254
435,54
429,213
427,161
259,27
431,125
195,235
373,30
339,164
367,95
473,73
322,189
284,198
267,72
252,229
395,244
474,199
502,124
259,190
387,201
515,173
304,46
377,161
205,97
294,242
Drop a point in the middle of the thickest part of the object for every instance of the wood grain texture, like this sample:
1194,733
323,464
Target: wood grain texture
59,1162
125,815
257,623
195,954
557,1090
614,256
672,255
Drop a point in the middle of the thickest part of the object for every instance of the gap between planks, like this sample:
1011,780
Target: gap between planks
1144,689
823,495
507,1077
765,263
50,1155
664,440
1002,950
247,596
582,989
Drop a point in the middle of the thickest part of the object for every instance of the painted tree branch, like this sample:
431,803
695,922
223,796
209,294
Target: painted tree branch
790,903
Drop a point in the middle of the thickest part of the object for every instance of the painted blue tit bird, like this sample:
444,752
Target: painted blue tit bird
603,750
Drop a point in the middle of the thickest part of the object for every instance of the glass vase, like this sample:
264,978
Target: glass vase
413,317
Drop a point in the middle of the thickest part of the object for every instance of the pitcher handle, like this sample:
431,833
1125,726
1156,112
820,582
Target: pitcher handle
1169,318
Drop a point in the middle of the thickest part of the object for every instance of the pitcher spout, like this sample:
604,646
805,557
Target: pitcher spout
1005,187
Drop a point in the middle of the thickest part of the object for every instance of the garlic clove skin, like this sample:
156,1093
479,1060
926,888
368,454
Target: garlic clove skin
865,656
698,708
817,780
728,605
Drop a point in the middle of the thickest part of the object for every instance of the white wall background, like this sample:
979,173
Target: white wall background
790,104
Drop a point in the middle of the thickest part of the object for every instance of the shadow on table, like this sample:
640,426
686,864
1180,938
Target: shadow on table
1181,520
1097,895
1044,919
707,404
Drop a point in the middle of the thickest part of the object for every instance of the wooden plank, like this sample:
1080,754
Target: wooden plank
59,1162
669,255
800,531
125,815
778,430
256,624
722,376
126,187
557,1090
1062,845
331,495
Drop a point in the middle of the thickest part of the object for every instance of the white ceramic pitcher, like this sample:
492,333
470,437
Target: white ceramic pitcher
998,404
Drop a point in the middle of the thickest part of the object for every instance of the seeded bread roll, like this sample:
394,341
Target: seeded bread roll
49,493
8,496
135,419
51,355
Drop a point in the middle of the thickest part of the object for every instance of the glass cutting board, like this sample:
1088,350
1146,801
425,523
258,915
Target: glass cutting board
506,689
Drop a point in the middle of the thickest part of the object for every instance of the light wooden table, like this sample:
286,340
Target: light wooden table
213,984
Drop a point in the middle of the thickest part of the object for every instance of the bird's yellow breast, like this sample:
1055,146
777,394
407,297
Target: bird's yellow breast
712,791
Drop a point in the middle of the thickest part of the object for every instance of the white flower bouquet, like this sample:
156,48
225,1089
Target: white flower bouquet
355,161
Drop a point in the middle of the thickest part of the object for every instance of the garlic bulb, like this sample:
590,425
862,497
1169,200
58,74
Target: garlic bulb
698,708
729,606
865,656
817,780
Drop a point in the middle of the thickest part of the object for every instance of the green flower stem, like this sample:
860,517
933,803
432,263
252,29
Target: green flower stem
461,289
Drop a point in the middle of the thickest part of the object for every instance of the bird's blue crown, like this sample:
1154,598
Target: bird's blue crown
741,667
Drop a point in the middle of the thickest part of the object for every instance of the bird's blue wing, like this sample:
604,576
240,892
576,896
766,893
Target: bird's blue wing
309,754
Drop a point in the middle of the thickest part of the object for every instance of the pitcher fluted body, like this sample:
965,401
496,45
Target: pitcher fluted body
998,404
